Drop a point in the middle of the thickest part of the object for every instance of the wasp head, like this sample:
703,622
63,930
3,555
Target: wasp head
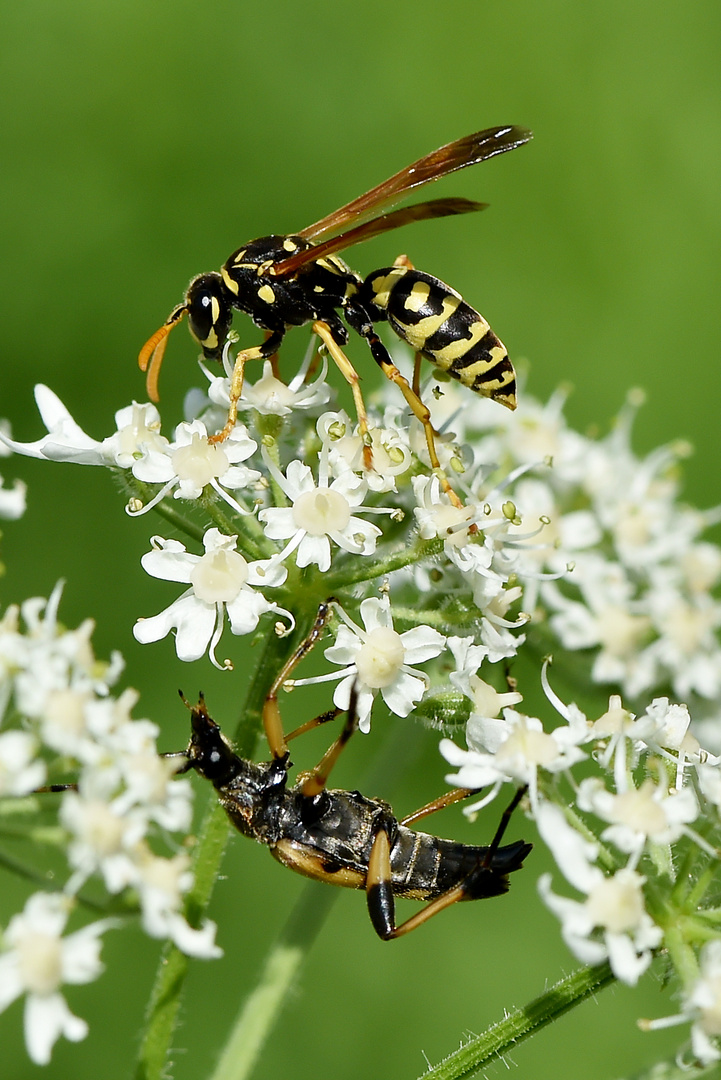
210,316
209,313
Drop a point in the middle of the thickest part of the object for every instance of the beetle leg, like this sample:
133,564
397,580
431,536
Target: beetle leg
379,880
271,712
49,789
380,899
259,352
503,825
313,782
438,804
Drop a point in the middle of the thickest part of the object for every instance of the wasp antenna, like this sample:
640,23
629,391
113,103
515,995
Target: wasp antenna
151,355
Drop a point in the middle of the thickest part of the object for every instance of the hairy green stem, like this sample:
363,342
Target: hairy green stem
164,1004
370,569
503,1037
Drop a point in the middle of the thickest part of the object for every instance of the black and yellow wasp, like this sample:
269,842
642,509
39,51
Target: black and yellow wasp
342,837
284,281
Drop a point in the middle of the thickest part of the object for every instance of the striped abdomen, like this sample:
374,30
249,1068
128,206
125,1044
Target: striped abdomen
437,322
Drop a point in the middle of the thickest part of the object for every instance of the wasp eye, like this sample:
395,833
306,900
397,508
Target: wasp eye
209,313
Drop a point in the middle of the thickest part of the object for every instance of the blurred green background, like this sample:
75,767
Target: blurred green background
142,143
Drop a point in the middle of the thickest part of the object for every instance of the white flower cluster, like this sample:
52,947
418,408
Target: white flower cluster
56,707
639,597
642,825
297,495
548,538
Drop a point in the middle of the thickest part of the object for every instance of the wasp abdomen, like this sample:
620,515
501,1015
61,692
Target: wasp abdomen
436,321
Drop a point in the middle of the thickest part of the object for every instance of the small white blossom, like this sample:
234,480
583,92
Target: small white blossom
191,462
611,922
391,455
704,1003
377,658
161,884
514,748
220,581
37,960
648,814
269,396
318,514
12,500
20,770
137,435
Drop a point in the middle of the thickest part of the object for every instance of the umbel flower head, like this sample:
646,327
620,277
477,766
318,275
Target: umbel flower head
529,537
58,711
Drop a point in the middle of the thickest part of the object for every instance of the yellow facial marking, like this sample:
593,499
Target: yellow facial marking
289,245
266,294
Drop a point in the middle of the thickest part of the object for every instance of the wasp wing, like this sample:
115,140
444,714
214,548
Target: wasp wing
468,150
394,220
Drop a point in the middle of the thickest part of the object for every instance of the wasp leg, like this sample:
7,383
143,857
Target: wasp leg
259,352
272,722
358,319
352,377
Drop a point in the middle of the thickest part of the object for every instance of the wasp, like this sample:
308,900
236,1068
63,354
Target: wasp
342,837
284,281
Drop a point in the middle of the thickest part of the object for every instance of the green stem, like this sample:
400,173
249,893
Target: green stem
352,573
263,1006
505,1036
164,1004
251,538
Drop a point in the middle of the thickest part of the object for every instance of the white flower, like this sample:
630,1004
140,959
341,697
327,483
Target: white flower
161,884
137,434
269,396
319,514
704,1002
486,700
191,462
378,658
220,580
104,839
347,450
649,814
37,960
513,748
20,771
612,922
437,516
